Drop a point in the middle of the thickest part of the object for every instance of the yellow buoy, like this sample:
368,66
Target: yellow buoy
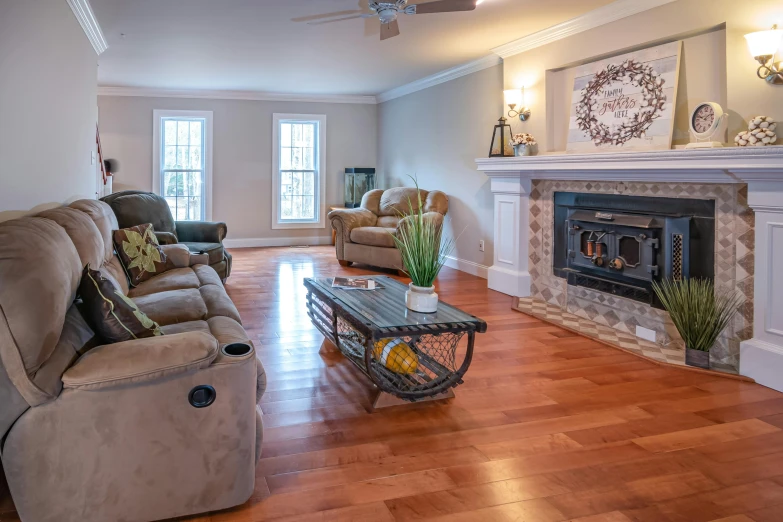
396,356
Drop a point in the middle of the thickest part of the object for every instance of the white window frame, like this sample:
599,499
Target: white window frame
157,152
320,185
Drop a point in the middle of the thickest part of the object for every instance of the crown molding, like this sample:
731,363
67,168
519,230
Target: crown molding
441,77
597,17
86,17
234,95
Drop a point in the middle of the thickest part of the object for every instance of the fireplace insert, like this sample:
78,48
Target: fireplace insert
620,244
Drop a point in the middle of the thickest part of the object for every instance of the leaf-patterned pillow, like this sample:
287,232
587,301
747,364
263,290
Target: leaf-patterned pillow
111,314
140,253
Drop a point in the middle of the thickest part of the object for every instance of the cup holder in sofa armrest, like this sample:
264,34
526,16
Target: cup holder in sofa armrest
236,349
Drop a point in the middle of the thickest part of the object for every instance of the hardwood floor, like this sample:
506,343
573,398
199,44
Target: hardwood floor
548,426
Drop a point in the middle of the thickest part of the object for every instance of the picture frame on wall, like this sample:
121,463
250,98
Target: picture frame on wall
625,103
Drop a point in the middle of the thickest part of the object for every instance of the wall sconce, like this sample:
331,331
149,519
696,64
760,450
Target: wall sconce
516,98
763,47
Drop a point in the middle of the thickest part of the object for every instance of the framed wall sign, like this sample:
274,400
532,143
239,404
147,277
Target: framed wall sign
625,102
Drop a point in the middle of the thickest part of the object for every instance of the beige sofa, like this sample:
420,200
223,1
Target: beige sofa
115,432
364,235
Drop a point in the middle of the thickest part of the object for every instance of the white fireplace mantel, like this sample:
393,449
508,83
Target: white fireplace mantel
761,168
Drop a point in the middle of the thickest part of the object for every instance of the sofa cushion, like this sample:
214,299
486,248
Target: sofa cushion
373,236
104,218
207,275
112,315
388,221
218,303
83,232
140,253
213,250
39,276
394,201
173,306
175,279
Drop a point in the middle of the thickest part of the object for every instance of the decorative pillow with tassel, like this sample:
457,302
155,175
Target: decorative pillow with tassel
110,313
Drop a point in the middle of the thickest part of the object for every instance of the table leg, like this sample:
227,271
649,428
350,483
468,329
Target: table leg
387,400
327,347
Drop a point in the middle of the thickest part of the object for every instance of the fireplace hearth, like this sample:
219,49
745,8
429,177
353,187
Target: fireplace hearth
620,244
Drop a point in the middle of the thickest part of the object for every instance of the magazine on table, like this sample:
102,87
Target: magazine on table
355,283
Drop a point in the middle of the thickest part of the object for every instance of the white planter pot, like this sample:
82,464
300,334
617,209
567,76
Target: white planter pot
421,299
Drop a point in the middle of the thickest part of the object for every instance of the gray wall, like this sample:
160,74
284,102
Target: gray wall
242,155
48,107
436,134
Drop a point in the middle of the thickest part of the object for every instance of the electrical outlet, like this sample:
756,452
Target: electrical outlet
481,245
646,333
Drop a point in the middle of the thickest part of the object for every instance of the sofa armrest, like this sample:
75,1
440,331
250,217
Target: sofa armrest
436,217
350,218
141,360
201,231
344,220
166,238
181,257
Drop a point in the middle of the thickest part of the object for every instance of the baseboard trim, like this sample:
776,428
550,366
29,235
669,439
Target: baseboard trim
763,362
469,267
261,242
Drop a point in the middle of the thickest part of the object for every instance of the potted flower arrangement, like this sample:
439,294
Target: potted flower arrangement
699,313
523,144
424,252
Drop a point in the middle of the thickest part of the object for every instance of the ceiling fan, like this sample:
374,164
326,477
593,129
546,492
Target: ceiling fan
388,12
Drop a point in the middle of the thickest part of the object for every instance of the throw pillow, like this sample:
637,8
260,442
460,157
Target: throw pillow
111,314
140,253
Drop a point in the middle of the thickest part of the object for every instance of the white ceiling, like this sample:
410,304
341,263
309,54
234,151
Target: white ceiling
262,45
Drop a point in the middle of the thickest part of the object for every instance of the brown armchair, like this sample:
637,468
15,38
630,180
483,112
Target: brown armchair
364,234
136,207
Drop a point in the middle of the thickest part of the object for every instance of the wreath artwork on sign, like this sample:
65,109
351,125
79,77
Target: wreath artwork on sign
626,102
629,73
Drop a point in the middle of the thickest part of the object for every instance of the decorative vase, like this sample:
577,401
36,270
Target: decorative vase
421,299
521,150
697,358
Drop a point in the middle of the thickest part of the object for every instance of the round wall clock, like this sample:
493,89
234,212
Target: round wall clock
705,122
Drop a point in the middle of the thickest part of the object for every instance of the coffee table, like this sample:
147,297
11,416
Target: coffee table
422,361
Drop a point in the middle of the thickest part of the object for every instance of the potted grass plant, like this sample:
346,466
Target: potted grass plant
419,239
699,313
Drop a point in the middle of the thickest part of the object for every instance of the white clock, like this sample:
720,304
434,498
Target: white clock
705,122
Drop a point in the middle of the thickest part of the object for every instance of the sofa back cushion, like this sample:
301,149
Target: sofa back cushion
104,218
394,202
40,270
133,207
83,232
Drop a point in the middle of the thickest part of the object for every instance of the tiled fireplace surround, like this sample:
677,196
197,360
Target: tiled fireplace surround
747,187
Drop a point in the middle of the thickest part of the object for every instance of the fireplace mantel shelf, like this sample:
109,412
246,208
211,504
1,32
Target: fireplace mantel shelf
720,165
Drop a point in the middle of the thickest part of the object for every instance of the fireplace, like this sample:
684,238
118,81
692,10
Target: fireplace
620,244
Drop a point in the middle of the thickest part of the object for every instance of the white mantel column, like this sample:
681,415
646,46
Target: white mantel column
762,356
509,272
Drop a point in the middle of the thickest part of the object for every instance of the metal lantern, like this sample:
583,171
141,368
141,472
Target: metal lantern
501,146
358,181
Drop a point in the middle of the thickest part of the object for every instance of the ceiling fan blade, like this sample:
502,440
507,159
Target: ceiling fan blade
390,30
446,6
326,15
341,19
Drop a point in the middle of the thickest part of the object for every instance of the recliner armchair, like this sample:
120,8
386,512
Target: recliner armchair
136,207
364,234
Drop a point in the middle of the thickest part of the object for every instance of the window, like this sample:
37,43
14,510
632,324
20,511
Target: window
182,164
298,165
